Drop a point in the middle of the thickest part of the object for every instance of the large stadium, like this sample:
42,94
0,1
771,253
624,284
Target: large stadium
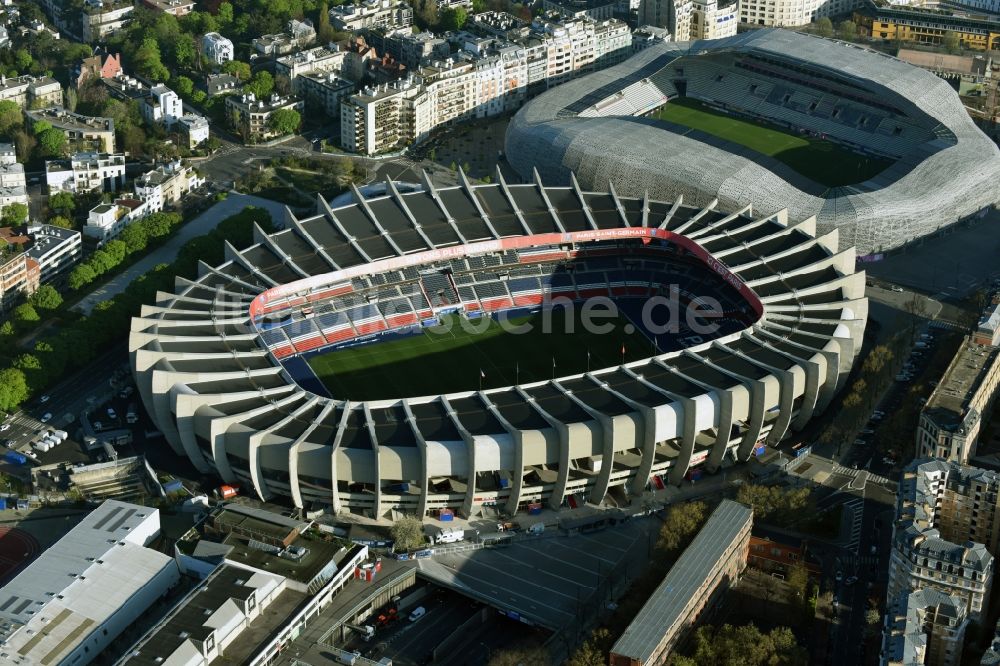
363,358
877,148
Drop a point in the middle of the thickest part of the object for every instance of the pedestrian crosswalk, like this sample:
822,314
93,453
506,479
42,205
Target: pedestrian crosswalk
943,323
857,510
853,473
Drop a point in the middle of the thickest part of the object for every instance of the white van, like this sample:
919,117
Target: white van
450,536
417,613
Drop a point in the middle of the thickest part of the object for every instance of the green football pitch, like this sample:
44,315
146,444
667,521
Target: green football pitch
818,160
449,357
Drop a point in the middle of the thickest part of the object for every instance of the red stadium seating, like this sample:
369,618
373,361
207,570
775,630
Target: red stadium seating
370,327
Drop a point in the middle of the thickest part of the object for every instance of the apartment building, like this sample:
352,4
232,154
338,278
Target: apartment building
704,571
166,184
485,78
411,49
83,133
86,172
325,92
947,527
251,117
31,91
55,249
318,60
691,19
951,419
102,18
161,107
101,65
926,25
105,221
389,15
194,129
217,48
20,276
791,13
299,35
174,7
597,10
925,628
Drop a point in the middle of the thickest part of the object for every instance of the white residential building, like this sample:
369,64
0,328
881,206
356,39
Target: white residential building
195,128
166,184
318,60
389,15
105,221
217,48
79,595
86,172
55,249
162,106
7,154
791,13
13,187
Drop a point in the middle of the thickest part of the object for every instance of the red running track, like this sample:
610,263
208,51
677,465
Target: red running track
17,548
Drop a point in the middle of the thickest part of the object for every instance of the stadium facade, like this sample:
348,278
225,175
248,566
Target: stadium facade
597,127
220,362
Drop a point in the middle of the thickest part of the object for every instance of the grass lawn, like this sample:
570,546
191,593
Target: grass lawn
449,358
821,161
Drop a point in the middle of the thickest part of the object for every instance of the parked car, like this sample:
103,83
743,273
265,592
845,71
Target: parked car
46,417
840,576
43,399
896,288
851,581
112,414
5,426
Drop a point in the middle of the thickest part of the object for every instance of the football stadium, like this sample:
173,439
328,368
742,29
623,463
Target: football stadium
877,148
510,345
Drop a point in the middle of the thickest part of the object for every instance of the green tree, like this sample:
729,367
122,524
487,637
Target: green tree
324,31
746,646
261,84
10,117
7,330
950,41
46,298
61,222
285,121
240,70
183,86
428,13
682,522
14,214
408,533
225,13
135,238
824,27
13,389
34,373
452,19
798,584
52,142
25,314
81,276
23,60
185,53
847,30
148,61
62,202
41,126
594,651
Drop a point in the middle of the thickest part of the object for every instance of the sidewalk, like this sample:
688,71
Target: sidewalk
167,252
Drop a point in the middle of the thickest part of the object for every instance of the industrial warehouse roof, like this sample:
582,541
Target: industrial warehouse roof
78,583
668,602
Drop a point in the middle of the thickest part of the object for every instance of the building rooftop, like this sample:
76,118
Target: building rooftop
64,119
47,237
907,637
80,581
947,404
664,608
208,607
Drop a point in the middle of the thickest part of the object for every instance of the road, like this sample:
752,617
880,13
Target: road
167,252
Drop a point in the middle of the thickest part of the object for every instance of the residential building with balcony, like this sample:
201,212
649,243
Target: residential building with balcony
161,107
388,15
174,7
947,527
194,129
100,19
86,172
251,117
317,60
20,276
166,184
83,133
31,91
299,35
925,628
55,249
325,92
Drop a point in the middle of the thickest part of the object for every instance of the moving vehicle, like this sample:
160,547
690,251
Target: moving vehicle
896,288
417,613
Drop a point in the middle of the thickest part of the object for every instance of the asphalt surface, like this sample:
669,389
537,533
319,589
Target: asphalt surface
166,253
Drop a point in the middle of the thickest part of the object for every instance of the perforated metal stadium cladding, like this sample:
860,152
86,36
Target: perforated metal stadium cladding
211,374
944,166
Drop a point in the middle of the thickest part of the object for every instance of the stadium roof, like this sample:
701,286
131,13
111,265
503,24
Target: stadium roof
667,605
595,126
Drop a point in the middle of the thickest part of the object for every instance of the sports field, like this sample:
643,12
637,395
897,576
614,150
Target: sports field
449,357
818,160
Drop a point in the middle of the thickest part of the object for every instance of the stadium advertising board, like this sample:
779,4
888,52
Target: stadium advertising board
272,298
